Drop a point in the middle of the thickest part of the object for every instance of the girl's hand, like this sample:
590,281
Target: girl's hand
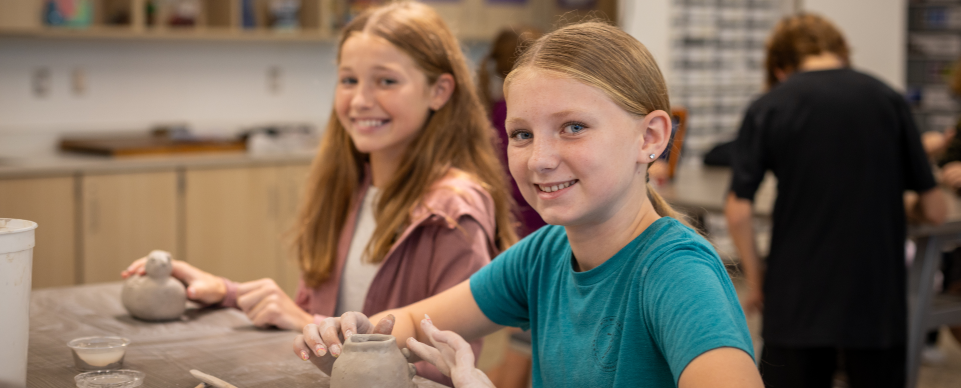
322,344
266,304
452,355
202,287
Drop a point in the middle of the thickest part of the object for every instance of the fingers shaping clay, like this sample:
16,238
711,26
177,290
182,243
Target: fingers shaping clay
156,296
372,360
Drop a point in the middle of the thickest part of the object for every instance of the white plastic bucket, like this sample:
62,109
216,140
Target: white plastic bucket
16,264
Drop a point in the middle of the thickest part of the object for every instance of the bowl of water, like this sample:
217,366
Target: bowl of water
98,353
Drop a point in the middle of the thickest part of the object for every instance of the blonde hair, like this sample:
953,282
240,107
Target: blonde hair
603,56
798,36
456,135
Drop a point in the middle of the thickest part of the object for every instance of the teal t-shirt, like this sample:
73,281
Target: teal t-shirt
638,319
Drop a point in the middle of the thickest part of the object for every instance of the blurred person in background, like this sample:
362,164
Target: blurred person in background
944,148
505,49
844,148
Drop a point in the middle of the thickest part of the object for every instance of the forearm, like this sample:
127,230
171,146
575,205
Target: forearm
740,224
405,325
453,309
932,206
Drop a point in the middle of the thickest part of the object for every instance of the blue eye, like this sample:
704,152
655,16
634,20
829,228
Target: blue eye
521,135
574,127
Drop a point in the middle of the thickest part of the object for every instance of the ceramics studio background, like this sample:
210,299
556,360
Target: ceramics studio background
227,213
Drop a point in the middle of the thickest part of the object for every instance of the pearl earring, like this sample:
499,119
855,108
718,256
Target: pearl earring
652,156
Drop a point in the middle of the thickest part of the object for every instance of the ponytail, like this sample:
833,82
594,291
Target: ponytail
664,209
661,206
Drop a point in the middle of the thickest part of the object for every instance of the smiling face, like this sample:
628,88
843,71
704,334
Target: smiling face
575,154
382,97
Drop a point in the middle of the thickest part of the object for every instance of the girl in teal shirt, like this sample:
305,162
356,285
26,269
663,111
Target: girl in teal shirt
616,292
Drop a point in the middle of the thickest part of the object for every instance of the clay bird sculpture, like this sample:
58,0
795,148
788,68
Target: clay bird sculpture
156,296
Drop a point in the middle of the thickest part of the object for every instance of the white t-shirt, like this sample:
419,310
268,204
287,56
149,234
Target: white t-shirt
358,272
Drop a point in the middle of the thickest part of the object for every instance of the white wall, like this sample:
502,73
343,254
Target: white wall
649,21
132,85
876,32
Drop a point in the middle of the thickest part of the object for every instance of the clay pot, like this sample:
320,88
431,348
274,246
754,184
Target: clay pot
372,360
156,296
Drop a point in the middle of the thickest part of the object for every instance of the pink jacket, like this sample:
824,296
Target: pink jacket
451,235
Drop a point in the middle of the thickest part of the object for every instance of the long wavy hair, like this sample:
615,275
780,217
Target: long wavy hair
603,56
456,135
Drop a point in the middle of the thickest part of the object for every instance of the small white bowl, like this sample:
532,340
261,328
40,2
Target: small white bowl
98,353
124,378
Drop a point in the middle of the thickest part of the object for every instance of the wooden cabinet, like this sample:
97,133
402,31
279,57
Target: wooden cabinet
236,222
292,182
124,217
231,222
50,203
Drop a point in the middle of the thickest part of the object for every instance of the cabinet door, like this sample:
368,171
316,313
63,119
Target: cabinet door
231,222
50,203
292,184
125,216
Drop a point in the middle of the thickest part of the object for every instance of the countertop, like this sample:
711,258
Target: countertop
71,164
703,188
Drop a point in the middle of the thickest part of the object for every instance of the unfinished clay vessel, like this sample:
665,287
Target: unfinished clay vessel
372,360
156,296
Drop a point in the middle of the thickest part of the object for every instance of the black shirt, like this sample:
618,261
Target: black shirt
844,148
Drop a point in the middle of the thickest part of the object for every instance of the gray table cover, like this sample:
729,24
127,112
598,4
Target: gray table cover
220,342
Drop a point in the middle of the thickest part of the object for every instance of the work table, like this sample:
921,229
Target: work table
219,342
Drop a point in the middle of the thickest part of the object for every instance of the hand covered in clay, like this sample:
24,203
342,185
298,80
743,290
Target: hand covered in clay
451,354
266,304
201,286
321,344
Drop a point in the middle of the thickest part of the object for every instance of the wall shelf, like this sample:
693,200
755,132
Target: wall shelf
214,20
319,20
193,34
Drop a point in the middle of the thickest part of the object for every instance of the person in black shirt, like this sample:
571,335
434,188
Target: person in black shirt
844,148
945,148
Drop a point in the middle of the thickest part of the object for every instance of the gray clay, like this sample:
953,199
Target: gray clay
156,296
372,360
